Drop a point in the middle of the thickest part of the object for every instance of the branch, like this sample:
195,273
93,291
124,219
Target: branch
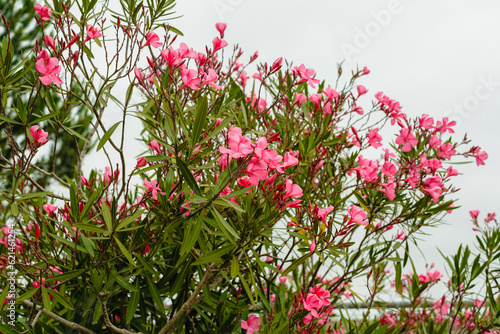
109,324
169,327
59,319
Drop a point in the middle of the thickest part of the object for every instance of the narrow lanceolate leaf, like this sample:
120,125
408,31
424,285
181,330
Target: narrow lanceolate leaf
25,296
199,121
155,294
193,235
214,255
133,303
235,267
129,220
3,296
65,276
46,300
226,225
61,299
106,215
123,281
296,263
186,174
107,135
125,252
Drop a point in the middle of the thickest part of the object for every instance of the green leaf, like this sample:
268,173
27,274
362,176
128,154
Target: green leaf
124,282
107,135
90,228
46,299
6,330
75,133
8,120
3,296
133,303
235,267
191,239
65,276
247,288
36,194
218,129
24,296
223,224
125,251
199,121
213,256
106,215
296,263
228,204
61,299
88,244
186,173
155,294
129,220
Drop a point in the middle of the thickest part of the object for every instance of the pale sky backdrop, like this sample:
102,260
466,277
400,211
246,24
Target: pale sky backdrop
440,58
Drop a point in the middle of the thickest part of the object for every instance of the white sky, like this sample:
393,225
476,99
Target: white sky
434,57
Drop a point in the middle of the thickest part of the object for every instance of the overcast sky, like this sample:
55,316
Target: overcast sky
435,57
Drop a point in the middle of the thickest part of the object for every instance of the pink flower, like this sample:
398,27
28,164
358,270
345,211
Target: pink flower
323,212
312,247
374,138
306,75
426,122
288,161
141,162
433,187
407,139
154,145
49,68
186,52
39,135
218,44
446,151
252,324
189,78
474,214
277,64
108,177
490,217
292,190
138,74
44,12
331,94
153,40
445,126
299,99
92,33
365,70
434,142
358,216
239,146
361,90
153,188
49,41
172,57
389,190
479,155
256,170
49,208
221,27
210,79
